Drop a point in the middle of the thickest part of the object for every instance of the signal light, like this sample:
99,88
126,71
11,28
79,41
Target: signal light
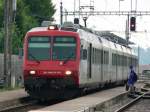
132,24
76,20
53,27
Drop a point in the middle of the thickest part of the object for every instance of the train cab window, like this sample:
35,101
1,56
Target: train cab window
39,48
64,47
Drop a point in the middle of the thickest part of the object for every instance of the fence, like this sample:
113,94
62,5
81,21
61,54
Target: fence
16,70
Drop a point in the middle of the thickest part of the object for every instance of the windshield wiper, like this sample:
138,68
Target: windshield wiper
68,58
33,57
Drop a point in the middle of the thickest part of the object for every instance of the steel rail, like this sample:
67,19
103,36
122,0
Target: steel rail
131,103
19,106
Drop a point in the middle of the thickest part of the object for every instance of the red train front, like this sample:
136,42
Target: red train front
51,62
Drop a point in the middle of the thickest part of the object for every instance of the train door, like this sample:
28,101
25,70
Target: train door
122,63
117,75
122,67
89,62
105,66
114,66
115,62
102,79
101,65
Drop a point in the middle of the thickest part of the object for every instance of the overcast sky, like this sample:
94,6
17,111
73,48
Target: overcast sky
112,23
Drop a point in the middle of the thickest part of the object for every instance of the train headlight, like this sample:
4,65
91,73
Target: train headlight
68,72
32,72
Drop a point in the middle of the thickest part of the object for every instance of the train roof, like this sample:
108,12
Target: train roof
47,30
36,29
68,26
114,38
104,34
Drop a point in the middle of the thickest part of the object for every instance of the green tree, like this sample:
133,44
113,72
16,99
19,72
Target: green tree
1,25
1,40
23,19
30,13
1,13
41,9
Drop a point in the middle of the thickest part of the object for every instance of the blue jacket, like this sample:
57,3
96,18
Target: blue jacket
132,77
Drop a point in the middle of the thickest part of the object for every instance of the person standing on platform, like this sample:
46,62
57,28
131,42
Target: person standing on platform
132,80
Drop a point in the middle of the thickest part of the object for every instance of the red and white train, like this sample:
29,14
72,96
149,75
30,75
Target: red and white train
59,61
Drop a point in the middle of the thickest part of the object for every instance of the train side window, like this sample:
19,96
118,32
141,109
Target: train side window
113,59
125,61
93,55
107,57
117,59
120,61
84,54
136,62
102,61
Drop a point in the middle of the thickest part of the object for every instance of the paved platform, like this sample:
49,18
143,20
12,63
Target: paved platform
83,104
11,95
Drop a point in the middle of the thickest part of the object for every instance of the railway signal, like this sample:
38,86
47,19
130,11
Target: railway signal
132,24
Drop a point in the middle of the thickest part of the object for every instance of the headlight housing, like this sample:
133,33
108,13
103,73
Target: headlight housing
68,72
32,72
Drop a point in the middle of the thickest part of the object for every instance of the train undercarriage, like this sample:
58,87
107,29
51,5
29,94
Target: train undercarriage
44,88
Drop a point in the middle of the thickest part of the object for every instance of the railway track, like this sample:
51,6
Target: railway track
132,105
27,105
17,107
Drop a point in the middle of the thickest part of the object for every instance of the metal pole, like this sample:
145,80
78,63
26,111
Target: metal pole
85,19
74,7
138,60
136,5
14,7
6,2
7,41
127,29
79,10
131,5
65,15
10,41
61,13
119,5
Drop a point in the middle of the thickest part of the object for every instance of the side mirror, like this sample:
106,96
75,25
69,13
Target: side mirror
20,54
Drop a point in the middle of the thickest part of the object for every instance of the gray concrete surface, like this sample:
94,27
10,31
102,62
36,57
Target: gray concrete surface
13,94
86,103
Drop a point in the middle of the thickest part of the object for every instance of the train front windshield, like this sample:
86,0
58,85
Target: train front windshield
39,48
64,48
55,48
